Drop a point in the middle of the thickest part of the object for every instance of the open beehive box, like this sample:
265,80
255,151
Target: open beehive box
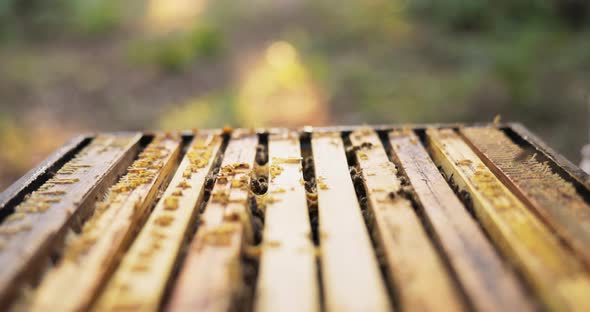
419,218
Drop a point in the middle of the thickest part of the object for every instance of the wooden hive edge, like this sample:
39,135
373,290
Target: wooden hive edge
14,194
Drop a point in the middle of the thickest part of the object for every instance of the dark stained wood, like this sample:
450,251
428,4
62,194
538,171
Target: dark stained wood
558,278
535,183
488,283
563,163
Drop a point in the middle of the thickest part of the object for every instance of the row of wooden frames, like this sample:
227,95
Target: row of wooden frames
459,218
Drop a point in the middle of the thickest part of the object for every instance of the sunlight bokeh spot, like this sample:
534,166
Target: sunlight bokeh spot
279,91
281,54
172,15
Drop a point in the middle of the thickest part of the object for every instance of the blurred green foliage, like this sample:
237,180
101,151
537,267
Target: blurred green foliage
177,51
40,18
378,61
92,17
460,15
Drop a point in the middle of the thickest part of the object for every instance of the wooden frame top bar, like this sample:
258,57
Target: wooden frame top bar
341,218
10,197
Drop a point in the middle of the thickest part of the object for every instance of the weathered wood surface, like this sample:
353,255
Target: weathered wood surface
30,233
532,211
210,276
36,176
572,170
140,281
488,283
287,279
421,280
89,259
550,268
350,272
535,183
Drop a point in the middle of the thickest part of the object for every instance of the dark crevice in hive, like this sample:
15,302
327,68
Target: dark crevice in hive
209,183
421,213
309,180
463,195
250,260
310,185
369,218
259,187
211,177
262,149
244,300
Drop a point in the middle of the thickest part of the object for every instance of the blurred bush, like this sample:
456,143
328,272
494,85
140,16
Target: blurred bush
460,15
333,61
94,17
177,50
43,19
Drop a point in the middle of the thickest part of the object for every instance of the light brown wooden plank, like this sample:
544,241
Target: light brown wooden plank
551,269
210,276
535,183
420,278
489,284
141,279
350,272
29,234
90,258
287,279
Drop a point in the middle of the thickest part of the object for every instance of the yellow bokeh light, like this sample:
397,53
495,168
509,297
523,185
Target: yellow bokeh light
281,54
172,15
279,91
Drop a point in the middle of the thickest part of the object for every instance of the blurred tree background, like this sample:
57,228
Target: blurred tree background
70,66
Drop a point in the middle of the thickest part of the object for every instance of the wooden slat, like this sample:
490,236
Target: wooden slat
141,279
565,166
551,269
89,259
210,276
29,234
37,176
287,278
421,280
350,272
535,183
489,284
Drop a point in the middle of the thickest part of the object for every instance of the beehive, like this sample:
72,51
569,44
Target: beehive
452,217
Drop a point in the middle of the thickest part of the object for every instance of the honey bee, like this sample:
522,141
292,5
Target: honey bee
367,145
261,155
391,195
